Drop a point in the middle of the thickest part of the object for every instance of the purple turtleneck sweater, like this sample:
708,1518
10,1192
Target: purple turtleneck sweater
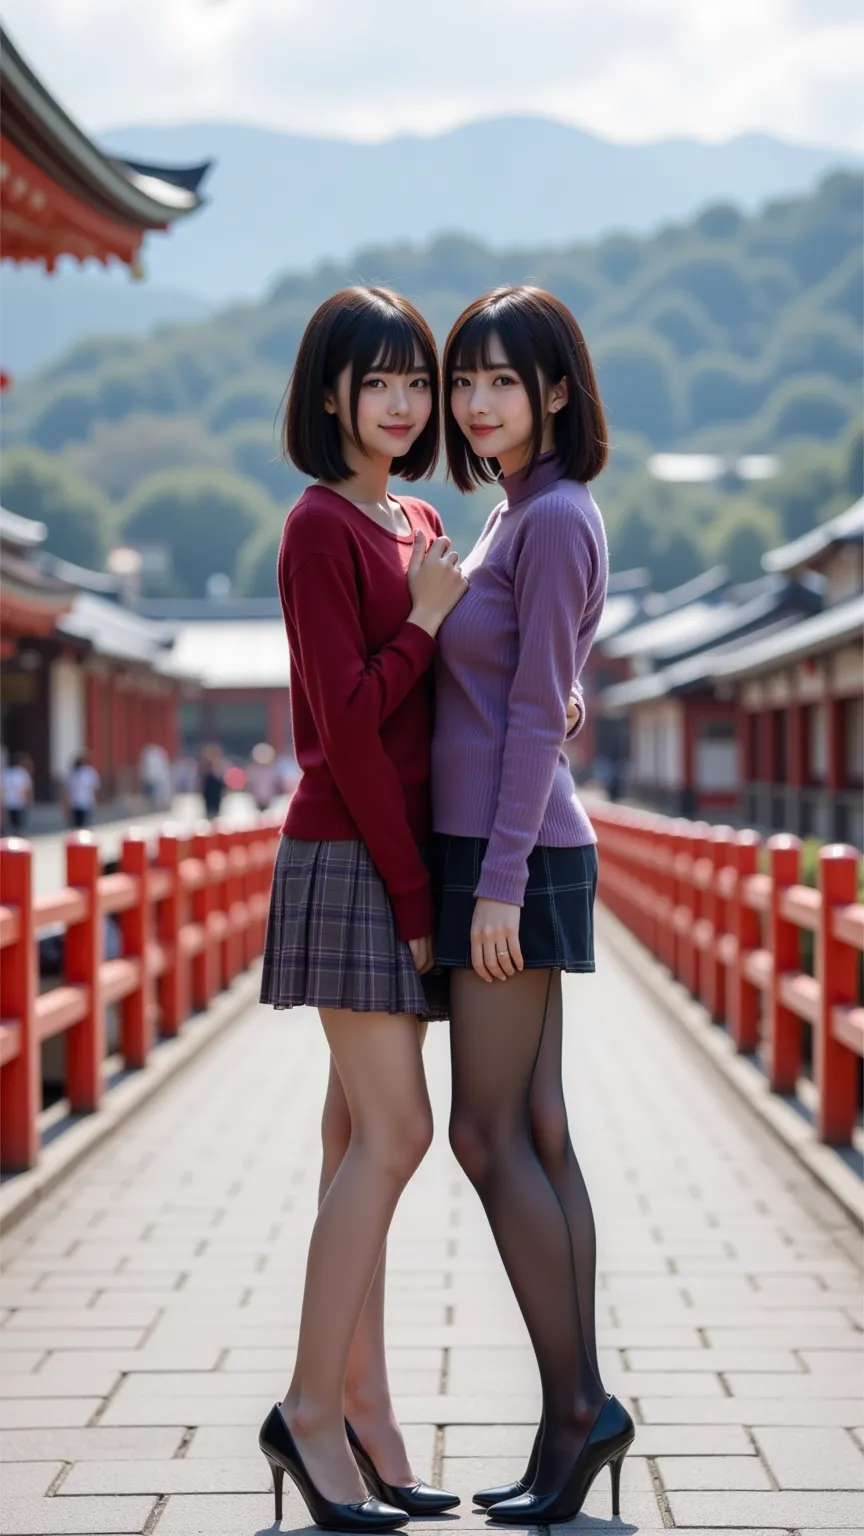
508,656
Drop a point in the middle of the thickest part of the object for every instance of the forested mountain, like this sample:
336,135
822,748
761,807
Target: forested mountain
731,333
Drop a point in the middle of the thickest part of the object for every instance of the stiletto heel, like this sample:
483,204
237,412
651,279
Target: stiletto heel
607,1445
418,1499
278,1475
615,1470
277,1443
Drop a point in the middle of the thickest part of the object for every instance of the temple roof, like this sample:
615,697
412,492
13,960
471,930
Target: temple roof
61,194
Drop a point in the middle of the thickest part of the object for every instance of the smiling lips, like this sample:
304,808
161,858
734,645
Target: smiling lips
479,430
397,431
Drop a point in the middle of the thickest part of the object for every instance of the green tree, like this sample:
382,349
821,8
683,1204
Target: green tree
249,399
742,549
77,515
67,416
256,564
201,517
814,406
255,452
676,560
120,453
723,388
639,384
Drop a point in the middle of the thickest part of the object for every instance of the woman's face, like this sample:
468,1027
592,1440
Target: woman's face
392,409
492,408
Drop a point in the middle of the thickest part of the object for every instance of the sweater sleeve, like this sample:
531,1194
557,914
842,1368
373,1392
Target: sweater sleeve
553,573
350,694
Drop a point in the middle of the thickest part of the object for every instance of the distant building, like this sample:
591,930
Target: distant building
60,195
237,651
78,669
747,702
800,695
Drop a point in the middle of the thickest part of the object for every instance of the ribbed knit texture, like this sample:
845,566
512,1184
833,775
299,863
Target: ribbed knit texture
508,657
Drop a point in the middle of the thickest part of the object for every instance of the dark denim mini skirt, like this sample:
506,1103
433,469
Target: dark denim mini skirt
557,926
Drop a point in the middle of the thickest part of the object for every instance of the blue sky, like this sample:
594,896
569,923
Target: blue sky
630,70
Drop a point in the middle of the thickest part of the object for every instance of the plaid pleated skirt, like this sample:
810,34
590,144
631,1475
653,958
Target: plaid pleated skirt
332,940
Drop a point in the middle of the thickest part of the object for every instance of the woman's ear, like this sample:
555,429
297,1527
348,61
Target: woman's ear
330,405
559,395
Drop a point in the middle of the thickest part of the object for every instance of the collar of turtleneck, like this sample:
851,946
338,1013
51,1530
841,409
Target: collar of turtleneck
520,487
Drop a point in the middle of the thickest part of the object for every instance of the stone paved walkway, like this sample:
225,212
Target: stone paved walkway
152,1303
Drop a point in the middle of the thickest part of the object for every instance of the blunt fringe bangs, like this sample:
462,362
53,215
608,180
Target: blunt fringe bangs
536,333
363,328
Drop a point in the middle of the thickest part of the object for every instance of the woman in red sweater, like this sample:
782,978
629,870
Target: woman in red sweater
365,580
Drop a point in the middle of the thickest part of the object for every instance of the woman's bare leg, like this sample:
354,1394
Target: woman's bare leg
379,1064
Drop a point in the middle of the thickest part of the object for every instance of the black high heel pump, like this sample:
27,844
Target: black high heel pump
277,1443
607,1445
486,1497
418,1499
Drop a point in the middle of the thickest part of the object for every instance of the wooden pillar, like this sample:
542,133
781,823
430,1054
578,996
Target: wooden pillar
742,996
784,1046
84,950
136,1009
796,746
20,1078
834,728
836,1066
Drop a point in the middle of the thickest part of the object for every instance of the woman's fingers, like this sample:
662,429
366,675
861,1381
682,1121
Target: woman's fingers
477,960
504,957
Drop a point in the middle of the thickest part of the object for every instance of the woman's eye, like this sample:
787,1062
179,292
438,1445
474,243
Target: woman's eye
505,378
461,383
373,383
420,384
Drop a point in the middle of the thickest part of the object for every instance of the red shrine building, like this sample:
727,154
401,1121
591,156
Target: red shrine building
78,668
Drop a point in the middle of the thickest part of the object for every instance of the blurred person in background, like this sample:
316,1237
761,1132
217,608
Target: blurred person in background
17,787
154,775
212,780
262,775
81,789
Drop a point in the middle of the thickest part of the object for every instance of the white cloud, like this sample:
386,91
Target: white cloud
627,69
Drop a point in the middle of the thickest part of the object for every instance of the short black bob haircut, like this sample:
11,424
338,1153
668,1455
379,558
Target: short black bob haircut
363,328
535,331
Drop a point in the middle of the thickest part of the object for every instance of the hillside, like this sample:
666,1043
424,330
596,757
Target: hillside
730,333
280,201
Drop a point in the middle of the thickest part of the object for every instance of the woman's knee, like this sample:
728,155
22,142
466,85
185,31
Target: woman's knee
475,1146
550,1133
335,1122
399,1142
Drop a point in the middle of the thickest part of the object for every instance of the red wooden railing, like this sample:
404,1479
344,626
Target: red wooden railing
192,914
732,935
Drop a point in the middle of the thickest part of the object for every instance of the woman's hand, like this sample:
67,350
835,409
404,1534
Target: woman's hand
422,953
495,952
574,715
435,582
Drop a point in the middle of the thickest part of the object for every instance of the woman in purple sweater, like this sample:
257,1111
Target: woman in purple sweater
515,852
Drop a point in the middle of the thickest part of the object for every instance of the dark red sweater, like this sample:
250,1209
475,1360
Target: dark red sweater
361,693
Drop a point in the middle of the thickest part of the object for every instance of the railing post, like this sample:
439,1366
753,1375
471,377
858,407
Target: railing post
84,949
743,996
173,984
20,1078
205,963
784,1044
136,1009
714,971
835,1068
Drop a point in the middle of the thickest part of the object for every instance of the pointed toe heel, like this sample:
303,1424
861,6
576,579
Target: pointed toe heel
607,1445
278,1445
418,1499
486,1497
